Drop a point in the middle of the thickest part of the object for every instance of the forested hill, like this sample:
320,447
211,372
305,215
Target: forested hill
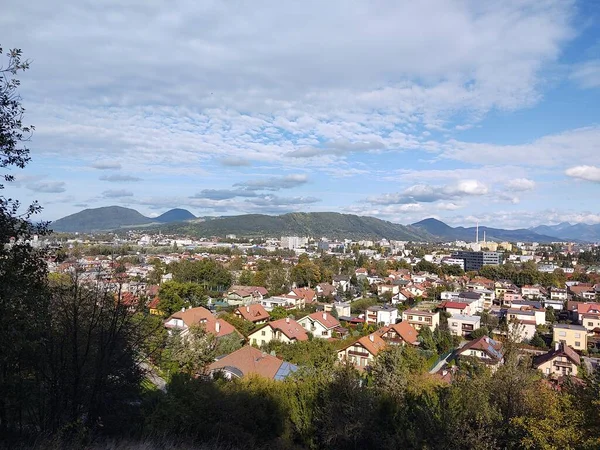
329,224
114,217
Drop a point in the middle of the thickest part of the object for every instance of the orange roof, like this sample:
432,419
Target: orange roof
306,293
587,308
291,328
253,313
249,360
406,331
325,319
373,343
200,315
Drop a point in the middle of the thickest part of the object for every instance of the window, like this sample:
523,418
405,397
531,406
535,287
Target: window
578,344
325,333
420,319
562,333
253,341
262,333
410,317
590,324
472,352
454,324
577,335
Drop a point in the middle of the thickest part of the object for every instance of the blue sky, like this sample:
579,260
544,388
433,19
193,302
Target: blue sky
461,110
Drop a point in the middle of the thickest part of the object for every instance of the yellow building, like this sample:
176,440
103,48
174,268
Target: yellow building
575,336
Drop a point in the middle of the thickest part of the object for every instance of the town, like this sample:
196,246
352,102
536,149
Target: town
455,302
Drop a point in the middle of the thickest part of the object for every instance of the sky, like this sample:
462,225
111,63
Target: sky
462,110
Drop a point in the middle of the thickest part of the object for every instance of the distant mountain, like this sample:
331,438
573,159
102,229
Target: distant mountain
445,232
319,224
175,215
113,217
567,232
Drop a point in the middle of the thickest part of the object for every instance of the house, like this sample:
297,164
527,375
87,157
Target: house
363,352
588,315
251,361
521,330
281,301
244,295
449,295
255,313
561,361
320,324
285,330
341,282
400,334
386,315
419,319
485,350
153,307
456,308
307,295
343,308
529,291
463,325
558,294
583,290
325,290
575,336
402,297
184,319
538,316
385,288
474,299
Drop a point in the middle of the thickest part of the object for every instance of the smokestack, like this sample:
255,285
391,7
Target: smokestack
484,241
287,320
248,308
217,326
477,232
324,316
372,338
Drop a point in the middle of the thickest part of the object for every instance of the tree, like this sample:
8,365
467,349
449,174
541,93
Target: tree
550,315
24,301
208,273
174,296
426,339
537,341
195,350
246,278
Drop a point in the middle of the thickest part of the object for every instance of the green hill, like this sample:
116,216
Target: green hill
332,225
113,217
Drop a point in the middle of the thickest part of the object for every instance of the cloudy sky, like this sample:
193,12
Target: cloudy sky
460,110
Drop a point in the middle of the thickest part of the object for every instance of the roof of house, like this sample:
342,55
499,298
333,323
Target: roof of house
562,350
289,327
406,331
373,343
471,295
253,313
325,319
326,289
246,291
200,315
588,308
465,318
486,344
249,360
453,305
418,312
564,326
306,293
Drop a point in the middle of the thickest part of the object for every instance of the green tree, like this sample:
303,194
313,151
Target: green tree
174,296
426,339
246,278
194,350
208,273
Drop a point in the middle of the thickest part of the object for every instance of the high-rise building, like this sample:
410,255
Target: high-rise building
476,260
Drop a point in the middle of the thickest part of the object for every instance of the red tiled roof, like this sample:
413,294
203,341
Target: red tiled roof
291,328
406,331
326,319
200,315
253,313
453,305
249,360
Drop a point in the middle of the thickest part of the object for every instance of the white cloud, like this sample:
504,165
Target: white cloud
274,183
117,193
106,165
587,75
588,173
48,187
425,193
551,151
119,178
520,185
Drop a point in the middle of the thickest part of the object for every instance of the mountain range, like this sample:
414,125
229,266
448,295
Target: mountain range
114,217
332,225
